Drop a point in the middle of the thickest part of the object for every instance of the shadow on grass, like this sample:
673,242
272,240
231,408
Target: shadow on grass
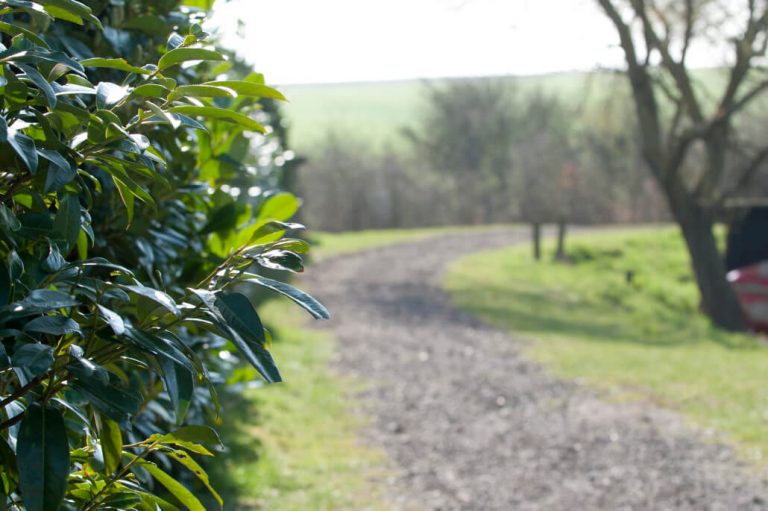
544,312
242,448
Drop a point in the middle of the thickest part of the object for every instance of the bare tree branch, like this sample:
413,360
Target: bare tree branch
644,96
748,172
688,36
676,69
745,51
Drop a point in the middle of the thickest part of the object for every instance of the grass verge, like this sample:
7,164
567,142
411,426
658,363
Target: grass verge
294,446
622,315
328,244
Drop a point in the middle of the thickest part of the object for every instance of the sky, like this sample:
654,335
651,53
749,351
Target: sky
325,41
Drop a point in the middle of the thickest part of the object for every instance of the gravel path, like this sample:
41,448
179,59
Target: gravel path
472,425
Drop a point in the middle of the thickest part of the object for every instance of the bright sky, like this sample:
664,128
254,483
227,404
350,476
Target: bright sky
315,41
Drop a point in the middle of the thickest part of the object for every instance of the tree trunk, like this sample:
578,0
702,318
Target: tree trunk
560,251
536,228
718,298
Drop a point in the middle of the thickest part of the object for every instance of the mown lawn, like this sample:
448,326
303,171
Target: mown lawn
622,315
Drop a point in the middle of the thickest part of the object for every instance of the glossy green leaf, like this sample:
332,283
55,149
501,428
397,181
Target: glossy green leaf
114,320
72,6
111,63
150,90
9,477
157,296
108,94
149,24
210,112
14,30
15,265
111,444
66,225
36,358
249,89
123,500
190,464
284,260
180,385
127,196
310,304
157,345
42,452
8,220
35,225
25,148
198,434
180,55
37,302
54,261
63,14
41,83
241,317
201,91
110,398
60,170
178,490
280,207
270,228
224,218
174,41
53,325
294,245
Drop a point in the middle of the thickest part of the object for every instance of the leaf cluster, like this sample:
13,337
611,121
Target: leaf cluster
131,209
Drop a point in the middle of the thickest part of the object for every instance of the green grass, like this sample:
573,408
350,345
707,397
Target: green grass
643,338
327,244
295,446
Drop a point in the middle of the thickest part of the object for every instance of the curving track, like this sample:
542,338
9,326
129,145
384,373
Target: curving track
471,425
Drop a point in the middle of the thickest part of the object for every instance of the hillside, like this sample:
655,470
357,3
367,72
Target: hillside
377,111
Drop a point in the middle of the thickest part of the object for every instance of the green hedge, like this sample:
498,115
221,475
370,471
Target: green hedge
136,197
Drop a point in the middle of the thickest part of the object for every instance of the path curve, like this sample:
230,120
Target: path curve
472,425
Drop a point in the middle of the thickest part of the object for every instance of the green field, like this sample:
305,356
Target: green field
376,112
640,337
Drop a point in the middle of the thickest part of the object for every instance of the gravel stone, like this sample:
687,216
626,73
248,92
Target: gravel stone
472,425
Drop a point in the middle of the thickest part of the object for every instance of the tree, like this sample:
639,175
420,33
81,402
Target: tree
545,170
467,134
132,215
687,140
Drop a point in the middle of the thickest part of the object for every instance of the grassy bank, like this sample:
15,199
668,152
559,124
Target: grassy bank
622,315
327,244
295,446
